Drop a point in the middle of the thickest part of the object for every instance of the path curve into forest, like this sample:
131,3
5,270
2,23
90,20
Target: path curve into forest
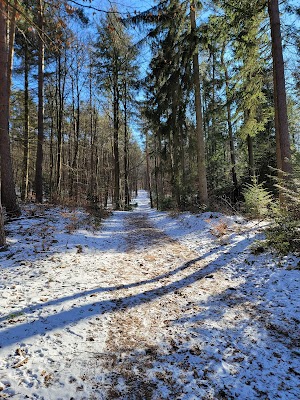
128,312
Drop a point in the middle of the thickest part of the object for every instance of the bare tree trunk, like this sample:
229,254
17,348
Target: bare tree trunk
148,170
11,39
41,61
93,168
51,151
116,142
281,117
202,182
156,166
61,83
250,157
2,232
76,126
160,172
25,172
230,130
9,198
126,187
250,149
74,122
58,125
96,160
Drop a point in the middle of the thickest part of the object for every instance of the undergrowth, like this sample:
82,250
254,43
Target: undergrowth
258,201
96,215
283,235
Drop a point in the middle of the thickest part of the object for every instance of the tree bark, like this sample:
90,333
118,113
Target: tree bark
116,142
61,82
9,198
156,173
126,185
230,132
149,180
51,148
202,182
93,170
41,61
2,232
25,172
250,157
76,127
11,39
280,104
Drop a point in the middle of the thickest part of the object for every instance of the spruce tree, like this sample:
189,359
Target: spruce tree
173,76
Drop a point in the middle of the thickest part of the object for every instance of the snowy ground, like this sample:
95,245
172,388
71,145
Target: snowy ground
148,307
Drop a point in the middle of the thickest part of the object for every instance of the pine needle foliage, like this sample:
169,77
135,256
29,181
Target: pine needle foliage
259,202
284,234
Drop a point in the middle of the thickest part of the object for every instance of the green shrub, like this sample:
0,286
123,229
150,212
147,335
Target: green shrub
259,202
166,204
96,215
284,234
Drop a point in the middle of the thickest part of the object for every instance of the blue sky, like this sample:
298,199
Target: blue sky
125,5
129,6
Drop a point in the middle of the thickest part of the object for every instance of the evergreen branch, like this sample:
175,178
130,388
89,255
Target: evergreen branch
89,7
148,16
254,12
29,20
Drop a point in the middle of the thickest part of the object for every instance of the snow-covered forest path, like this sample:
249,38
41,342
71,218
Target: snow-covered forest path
147,307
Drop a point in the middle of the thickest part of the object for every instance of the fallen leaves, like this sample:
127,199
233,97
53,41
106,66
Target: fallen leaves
21,363
165,324
195,351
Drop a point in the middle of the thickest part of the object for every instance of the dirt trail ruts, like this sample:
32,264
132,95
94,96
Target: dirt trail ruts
136,334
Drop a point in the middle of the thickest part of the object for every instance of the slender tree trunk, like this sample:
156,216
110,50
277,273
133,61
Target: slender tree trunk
41,61
213,112
91,191
116,142
202,182
281,116
230,130
59,126
126,185
160,171
51,152
74,166
9,198
71,172
183,168
149,180
156,166
250,156
61,83
2,232
230,133
175,154
25,172
175,168
11,40
95,162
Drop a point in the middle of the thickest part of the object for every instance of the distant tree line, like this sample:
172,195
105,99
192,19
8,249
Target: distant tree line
213,106
216,108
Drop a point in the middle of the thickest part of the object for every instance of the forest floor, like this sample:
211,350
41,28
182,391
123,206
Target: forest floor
146,306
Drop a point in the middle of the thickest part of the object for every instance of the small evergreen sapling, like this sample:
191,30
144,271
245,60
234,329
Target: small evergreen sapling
284,234
259,202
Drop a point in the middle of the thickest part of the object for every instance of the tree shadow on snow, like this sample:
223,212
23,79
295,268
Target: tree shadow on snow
16,333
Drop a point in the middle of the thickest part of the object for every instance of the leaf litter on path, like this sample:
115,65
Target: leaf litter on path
148,307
